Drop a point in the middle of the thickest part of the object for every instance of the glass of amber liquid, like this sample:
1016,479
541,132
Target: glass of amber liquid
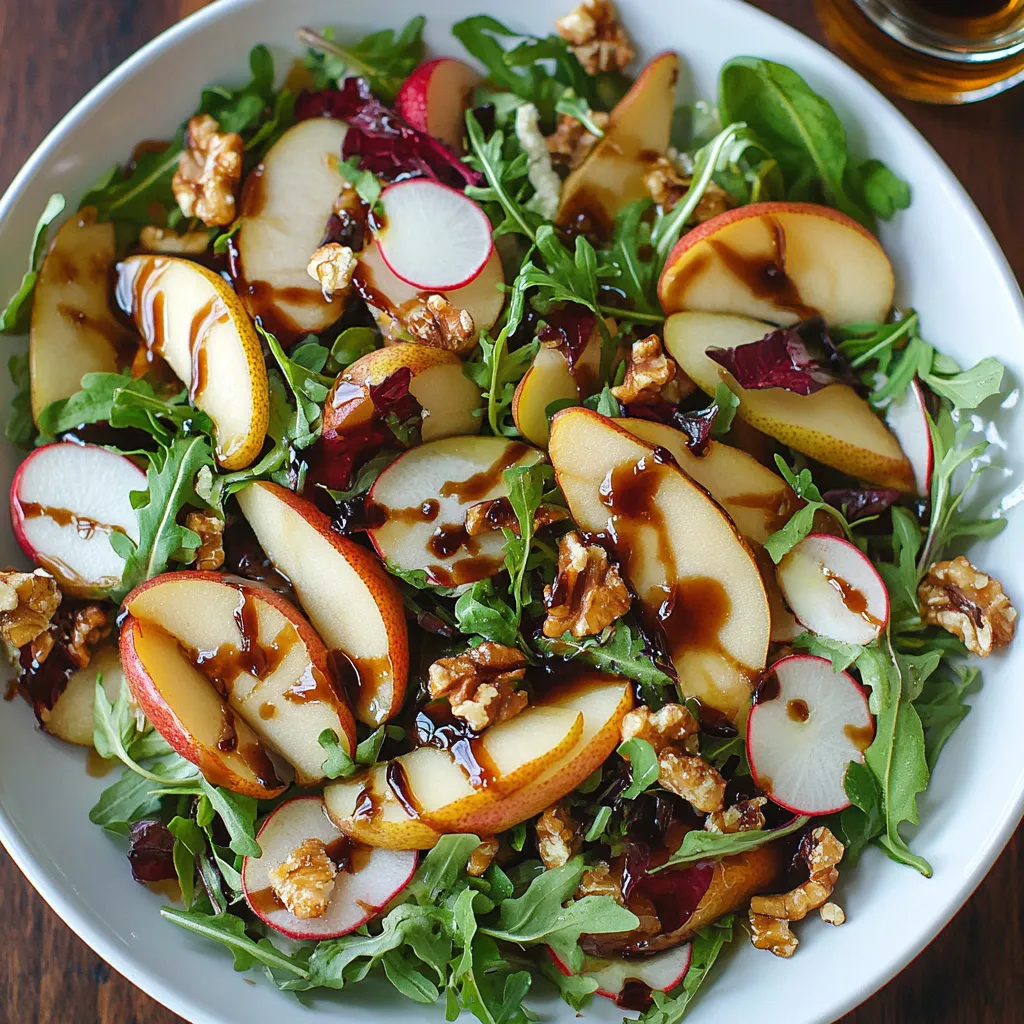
937,51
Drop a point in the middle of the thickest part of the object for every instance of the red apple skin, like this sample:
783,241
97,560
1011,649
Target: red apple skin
167,723
435,97
710,227
378,582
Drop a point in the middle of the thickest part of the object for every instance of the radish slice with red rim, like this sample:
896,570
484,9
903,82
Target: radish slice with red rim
907,417
432,236
807,725
658,973
367,878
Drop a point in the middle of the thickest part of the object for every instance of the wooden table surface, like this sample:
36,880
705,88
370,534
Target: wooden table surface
52,53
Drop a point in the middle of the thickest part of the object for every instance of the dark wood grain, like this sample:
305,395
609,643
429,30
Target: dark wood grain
52,53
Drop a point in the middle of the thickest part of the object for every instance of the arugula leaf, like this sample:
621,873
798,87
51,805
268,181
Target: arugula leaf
239,816
842,655
801,523
969,388
442,867
352,343
20,429
643,766
136,796
941,706
301,369
725,404
368,750
14,317
599,824
707,944
171,486
718,751
698,845
864,820
230,930
189,847
525,486
338,764
481,612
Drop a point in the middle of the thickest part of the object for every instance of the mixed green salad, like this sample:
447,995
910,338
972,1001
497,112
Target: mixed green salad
495,515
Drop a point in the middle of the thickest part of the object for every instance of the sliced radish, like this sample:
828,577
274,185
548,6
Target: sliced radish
66,501
908,420
371,880
833,589
659,973
435,97
433,237
807,724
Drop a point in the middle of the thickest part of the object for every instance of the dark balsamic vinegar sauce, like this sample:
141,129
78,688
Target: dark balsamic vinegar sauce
436,726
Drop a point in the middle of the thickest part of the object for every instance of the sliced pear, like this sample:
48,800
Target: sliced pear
74,330
835,425
71,717
190,317
637,133
682,553
286,203
421,500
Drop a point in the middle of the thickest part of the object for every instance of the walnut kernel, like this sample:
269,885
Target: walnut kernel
671,726
439,324
650,375
209,172
28,602
304,882
210,527
571,143
481,857
772,934
832,913
480,684
498,514
596,36
558,837
745,816
693,779
90,627
332,267
588,594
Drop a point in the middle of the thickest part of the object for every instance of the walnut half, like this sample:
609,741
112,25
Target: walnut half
28,602
439,324
209,172
596,36
558,837
588,594
651,376
969,604
210,527
332,267
305,880
480,684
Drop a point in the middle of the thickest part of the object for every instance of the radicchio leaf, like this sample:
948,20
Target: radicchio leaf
802,359
696,424
384,143
43,682
859,504
568,329
151,852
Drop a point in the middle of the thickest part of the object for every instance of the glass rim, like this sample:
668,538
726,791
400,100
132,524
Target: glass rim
943,45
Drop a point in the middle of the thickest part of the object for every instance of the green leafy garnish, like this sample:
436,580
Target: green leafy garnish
801,523
14,317
699,845
20,429
643,766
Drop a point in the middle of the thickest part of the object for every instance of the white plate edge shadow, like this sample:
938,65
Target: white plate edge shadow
58,893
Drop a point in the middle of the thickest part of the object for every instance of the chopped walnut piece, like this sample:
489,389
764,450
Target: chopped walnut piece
209,172
667,186
332,267
650,374
821,851
772,934
439,324
481,857
588,594
693,779
210,527
969,604
163,240
600,880
498,514
745,816
596,36
90,627
304,882
571,143
672,726
28,601
832,913
558,837
480,684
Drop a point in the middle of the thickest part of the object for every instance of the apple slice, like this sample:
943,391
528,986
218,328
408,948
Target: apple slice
209,654
366,882
807,725
74,330
637,133
693,573
420,503
658,973
550,380
352,602
71,717
435,97
391,300
191,317
450,401
781,262
433,237
286,203
834,590
907,417
835,425
66,501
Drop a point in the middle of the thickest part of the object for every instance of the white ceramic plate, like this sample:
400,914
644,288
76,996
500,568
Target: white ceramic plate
948,266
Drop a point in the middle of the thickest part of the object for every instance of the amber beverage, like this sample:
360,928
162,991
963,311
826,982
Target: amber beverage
937,51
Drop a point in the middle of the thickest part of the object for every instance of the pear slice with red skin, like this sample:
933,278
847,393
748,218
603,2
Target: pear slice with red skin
285,206
67,500
349,597
435,97
807,725
659,973
834,425
74,330
227,669
367,879
834,590
192,318
780,262
695,576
